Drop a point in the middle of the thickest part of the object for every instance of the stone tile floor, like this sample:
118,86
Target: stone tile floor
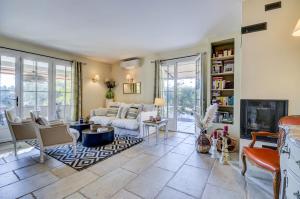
170,170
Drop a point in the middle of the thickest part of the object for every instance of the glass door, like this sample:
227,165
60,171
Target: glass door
182,88
168,88
35,95
8,90
186,82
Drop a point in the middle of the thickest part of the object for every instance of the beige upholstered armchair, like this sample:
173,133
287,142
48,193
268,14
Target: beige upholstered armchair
54,134
20,130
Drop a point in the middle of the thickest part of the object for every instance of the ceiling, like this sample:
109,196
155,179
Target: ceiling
109,30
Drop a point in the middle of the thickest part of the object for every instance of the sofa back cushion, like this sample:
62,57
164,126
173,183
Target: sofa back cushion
100,111
112,111
133,112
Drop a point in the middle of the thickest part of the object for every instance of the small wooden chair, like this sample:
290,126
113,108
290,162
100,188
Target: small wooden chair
265,158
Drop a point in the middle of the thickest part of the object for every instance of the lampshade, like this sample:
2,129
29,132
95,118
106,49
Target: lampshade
159,102
296,32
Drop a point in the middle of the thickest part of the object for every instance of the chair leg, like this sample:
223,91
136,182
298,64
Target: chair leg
15,148
244,164
42,157
74,149
276,184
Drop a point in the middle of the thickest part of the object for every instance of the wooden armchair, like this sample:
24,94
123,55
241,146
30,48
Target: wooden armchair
265,158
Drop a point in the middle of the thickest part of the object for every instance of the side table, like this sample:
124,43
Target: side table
80,127
157,125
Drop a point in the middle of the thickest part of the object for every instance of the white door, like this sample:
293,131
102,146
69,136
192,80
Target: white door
9,99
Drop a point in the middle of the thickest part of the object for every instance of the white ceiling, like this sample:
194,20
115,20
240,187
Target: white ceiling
110,30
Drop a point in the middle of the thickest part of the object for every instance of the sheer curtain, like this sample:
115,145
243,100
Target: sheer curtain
77,90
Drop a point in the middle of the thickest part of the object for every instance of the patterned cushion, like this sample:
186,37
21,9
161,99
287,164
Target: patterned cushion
112,111
133,112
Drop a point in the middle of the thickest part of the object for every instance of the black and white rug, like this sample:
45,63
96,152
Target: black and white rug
87,156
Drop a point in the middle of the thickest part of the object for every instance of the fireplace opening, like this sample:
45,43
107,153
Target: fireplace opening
261,115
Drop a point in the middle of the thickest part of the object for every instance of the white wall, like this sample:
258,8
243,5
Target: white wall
271,58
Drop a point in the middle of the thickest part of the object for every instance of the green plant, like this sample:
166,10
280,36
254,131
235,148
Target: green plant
109,94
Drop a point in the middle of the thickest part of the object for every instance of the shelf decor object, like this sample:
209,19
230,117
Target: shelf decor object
296,32
222,79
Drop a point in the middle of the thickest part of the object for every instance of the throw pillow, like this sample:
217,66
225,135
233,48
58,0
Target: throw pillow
112,111
124,112
42,121
100,112
132,112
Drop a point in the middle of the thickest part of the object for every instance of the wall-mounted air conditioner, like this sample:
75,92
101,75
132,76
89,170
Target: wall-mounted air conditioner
130,63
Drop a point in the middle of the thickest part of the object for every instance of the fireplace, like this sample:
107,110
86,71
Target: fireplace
261,115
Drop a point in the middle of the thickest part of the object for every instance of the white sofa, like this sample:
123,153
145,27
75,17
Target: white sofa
124,126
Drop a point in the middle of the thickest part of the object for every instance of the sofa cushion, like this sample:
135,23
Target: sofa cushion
131,124
100,111
132,112
112,111
103,120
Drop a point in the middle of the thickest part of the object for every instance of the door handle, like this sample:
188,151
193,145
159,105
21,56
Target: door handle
17,101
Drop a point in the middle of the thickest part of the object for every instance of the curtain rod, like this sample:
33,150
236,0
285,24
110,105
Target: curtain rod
23,51
177,58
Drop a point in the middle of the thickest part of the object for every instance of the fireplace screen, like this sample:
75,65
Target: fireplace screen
261,115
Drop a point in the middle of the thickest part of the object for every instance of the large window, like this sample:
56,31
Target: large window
35,83
35,87
63,79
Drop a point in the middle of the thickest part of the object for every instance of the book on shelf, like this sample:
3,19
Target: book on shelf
225,101
223,117
225,66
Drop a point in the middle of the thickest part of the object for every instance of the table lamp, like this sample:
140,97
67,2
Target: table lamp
159,102
296,32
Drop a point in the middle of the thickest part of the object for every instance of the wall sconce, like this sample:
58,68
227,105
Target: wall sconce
96,78
296,32
129,78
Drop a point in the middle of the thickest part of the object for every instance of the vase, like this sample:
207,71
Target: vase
213,151
202,143
107,102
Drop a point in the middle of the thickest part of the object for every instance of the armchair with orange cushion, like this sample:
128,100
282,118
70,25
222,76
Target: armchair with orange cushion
265,158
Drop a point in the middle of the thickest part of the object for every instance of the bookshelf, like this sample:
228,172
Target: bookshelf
222,79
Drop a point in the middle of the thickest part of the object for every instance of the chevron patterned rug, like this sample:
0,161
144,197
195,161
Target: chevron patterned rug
87,156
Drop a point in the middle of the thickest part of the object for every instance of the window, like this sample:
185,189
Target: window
35,83
35,87
63,84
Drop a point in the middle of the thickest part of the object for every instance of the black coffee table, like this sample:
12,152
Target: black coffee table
94,138
80,127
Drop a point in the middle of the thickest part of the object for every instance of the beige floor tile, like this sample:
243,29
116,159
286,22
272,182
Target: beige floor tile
190,140
108,185
182,135
2,161
213,192
203,161
133,151
158,150
172,141
171,161
7,178
226,177
190,180
259,190
52,163
76,196
169,193
184,149
16,165
123,194
27,185
31,170
22,153
109,164
28,196
140,163
150,183
63,171
66,186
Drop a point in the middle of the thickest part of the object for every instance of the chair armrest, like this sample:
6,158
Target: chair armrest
261,134
56,122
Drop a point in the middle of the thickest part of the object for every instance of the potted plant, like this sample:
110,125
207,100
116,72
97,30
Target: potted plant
109,93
